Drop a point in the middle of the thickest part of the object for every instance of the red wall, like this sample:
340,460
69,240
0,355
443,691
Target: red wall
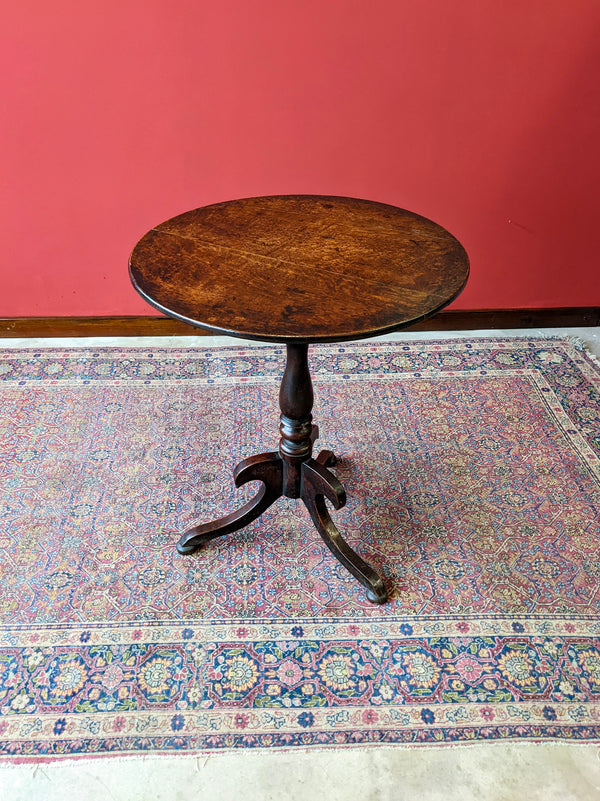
481,114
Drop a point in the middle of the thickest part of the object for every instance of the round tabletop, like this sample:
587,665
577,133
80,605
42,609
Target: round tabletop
299,268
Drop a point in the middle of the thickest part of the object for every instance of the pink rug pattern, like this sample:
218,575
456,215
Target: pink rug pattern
473,478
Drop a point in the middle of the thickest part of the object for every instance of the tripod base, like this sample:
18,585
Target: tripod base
292,472
316,483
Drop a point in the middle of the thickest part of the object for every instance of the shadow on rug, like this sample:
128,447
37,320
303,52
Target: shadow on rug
472,475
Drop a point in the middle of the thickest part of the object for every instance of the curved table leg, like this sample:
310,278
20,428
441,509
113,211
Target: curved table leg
319,483
266,467
327,459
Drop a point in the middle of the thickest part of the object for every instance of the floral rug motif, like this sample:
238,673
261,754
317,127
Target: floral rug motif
473,478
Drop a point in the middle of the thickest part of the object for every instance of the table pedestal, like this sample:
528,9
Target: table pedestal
293,473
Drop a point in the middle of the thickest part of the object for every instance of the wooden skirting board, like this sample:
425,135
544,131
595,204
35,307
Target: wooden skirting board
452,320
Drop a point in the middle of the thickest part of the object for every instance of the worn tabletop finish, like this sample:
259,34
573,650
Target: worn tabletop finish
299,268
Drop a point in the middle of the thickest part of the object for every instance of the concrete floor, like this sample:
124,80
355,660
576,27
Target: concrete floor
494,771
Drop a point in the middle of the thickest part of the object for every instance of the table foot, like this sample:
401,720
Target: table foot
319,483
266,467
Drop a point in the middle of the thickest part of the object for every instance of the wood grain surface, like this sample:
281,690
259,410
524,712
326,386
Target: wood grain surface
299,268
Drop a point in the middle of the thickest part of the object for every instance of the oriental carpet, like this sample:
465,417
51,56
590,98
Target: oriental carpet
473,478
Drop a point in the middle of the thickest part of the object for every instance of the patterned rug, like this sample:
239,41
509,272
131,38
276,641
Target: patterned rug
472,475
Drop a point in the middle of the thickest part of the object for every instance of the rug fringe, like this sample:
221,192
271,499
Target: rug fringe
580,345
202,757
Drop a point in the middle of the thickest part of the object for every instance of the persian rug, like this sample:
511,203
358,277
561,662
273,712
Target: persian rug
473,478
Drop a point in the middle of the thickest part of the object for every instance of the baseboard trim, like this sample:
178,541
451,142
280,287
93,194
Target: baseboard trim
450,320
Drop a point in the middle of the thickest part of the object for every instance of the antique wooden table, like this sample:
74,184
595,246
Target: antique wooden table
298,269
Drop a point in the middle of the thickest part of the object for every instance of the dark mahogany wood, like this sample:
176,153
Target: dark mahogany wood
298,269
265,467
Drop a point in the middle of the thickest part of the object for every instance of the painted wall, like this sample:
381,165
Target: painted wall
480,114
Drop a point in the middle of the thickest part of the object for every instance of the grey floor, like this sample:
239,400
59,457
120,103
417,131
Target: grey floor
490,771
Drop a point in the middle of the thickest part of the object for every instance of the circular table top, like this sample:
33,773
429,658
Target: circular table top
299,268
